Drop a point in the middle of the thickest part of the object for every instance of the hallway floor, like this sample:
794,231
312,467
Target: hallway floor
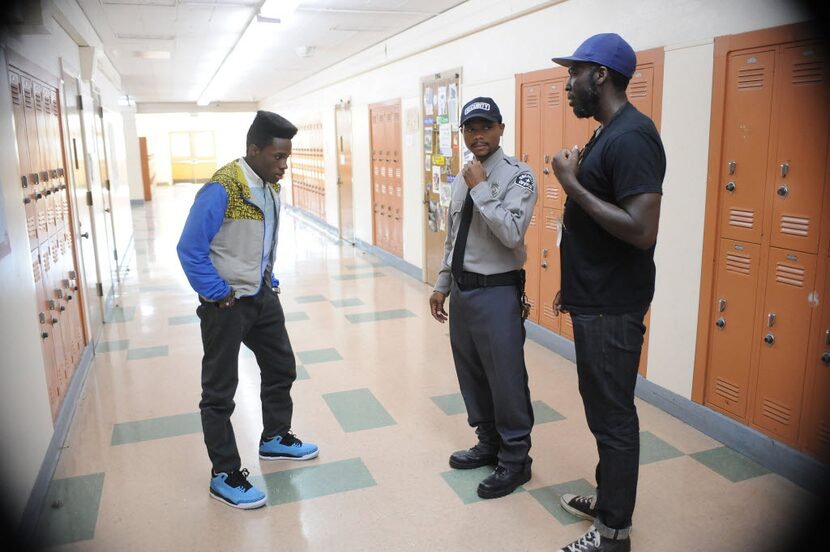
376,390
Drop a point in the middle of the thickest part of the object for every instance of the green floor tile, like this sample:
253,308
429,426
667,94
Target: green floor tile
730,464
465,482
451,404
331,478
180,320
319,355
357,410
147,352
71,510
156,428
302,373
310,299
654,449
121,314
549,498
379,315
295,316
109,346
358,276
351,302
543,414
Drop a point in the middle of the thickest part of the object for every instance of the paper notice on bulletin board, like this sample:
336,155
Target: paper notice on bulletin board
452,105
428,100
438,160
436,179
445,194
445,139
442,100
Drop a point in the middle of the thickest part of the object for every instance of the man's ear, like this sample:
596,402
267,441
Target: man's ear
252,150
601,74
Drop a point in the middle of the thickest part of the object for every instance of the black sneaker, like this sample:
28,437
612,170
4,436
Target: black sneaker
592,541
581,506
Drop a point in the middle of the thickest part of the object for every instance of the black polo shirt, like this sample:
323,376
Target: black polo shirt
601,273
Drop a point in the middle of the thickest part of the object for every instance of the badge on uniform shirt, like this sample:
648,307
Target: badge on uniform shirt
525,180
494,189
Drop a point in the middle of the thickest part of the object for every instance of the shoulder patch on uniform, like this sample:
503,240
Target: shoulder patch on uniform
525,180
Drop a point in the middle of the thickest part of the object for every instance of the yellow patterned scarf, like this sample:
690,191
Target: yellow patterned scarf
233,180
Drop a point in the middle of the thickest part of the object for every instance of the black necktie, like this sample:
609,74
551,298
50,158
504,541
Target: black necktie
457,266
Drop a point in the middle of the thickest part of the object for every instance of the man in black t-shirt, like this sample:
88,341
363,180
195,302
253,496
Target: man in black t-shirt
609,229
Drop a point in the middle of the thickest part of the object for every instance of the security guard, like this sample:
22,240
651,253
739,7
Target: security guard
490,210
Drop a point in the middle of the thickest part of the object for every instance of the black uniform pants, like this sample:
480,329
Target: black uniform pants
258,322
608,351
487,337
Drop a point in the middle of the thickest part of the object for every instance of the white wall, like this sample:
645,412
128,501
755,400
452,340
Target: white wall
493,40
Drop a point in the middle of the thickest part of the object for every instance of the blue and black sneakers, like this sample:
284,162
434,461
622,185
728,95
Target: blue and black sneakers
287,447
234,490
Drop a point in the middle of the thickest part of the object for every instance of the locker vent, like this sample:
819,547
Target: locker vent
552,192
28,101
36,270
741,218
547,311
776,411
550,222
751,77
554,96
808,72
727,390
532,98
533,219
569,322
790,275
823,431
38,99
795,226
638,89
738,264
15,86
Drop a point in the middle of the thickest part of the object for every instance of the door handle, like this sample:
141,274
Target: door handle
721,322
825,358
769,339
783,191
85,235
730,187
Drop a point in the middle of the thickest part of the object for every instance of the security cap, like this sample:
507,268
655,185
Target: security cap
608,49
481,107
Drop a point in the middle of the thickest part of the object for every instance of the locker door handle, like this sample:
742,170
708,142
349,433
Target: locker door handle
545,170
732,167
44,335
721,323
769,339
825,358
783,191
771,319
730,187
722,305
85,235
545,265
785,169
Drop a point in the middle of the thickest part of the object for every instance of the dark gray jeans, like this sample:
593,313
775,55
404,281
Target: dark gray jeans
608,351
259,323
487,337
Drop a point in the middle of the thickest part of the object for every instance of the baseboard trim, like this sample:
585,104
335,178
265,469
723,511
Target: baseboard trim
395,262
66,413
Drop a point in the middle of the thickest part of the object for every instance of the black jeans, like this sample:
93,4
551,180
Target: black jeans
607,357
259,323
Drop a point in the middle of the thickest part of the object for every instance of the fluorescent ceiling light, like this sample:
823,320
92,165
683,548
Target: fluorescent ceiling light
279,9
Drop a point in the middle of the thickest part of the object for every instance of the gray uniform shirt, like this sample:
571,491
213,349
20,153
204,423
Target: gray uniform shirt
502,209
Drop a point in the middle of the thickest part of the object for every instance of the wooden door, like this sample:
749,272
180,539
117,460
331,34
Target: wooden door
783,334
343,130
732,326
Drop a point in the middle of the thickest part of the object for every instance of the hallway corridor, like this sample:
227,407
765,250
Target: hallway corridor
376,390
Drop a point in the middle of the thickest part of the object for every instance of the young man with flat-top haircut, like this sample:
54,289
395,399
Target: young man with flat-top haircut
614,186
227,250
491,207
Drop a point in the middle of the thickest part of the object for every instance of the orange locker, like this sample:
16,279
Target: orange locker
817,418
387,181
532,275
550,279
784,332
553,117
801,149
529,153
749,89
731,344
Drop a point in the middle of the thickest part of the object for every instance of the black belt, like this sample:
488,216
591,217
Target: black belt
472,280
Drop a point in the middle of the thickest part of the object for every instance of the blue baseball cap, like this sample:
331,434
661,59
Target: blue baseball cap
608,49
482,108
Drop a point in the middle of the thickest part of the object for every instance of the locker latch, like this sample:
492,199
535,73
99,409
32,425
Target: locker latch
785,169
827,337
771,319
732,167
722,305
